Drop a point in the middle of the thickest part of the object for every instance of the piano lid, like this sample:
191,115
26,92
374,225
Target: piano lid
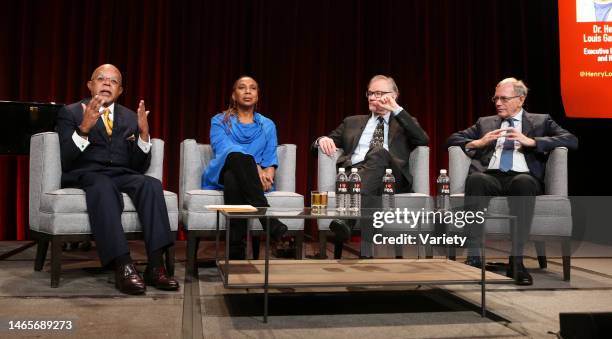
21,120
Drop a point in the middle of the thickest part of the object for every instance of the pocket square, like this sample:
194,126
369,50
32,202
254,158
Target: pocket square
131,138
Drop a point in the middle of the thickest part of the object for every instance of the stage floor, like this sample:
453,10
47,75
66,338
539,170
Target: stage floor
203,307
354,272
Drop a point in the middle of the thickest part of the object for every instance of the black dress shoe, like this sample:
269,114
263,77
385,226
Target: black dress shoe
474,261
158,278
341,230
128,280
287,250
523,278
277,230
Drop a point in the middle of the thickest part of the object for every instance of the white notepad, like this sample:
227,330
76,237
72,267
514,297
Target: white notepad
232,208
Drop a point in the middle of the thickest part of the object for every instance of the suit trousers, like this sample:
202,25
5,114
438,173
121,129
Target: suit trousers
521,189
371,170
105,204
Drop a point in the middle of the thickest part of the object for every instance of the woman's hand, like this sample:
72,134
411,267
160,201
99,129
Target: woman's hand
266,176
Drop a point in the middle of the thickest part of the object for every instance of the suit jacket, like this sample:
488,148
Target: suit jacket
119,152
540,127
405,133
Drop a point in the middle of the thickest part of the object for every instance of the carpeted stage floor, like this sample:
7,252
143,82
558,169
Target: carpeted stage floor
203,308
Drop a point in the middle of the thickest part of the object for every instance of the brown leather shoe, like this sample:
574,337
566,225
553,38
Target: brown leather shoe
158,278
128,280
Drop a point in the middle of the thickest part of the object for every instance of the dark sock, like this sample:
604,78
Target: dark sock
518,260
122,260
155,258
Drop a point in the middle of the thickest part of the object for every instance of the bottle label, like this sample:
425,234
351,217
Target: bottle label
341,188
388,188
444,188
355,188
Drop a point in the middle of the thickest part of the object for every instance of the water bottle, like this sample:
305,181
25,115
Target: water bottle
443,196
354,190
388,194
342,192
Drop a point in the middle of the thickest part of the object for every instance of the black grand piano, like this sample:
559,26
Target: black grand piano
20,120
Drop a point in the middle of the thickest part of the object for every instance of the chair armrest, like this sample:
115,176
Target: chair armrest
190,173
326,176
419,169
458,168
156,168
45,171
285,174
555,178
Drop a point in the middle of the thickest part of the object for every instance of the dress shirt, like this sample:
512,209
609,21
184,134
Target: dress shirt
82,143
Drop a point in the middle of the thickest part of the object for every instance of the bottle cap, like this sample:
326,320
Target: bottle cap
388,171
341,170
442,171
353,170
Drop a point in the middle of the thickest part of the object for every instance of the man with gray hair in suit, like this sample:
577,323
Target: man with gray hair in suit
372,143
509,152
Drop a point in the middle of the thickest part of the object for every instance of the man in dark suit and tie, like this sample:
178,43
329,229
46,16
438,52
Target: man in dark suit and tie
372,143
105,149
509,152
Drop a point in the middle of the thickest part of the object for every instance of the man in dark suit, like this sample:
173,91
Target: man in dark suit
372,143
509,152
105,149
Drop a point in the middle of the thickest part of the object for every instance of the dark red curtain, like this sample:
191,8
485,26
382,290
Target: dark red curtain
312,59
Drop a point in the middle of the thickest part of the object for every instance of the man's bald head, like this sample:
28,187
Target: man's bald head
103,68
106,83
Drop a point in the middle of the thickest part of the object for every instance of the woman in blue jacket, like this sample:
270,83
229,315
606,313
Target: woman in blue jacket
244,146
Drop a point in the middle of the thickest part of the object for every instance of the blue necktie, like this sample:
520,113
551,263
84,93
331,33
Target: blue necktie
505,162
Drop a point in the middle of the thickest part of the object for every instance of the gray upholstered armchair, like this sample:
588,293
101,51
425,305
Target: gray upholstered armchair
200,222
552,217
419,169
59,215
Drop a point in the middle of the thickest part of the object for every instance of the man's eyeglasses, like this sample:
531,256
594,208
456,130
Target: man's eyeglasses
113,81
504,99
376,94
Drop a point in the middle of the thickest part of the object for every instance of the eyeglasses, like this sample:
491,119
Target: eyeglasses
504,99
114,81
376,94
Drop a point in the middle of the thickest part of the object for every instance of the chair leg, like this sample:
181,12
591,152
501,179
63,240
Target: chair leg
299,243
56,261
338,246
170,256
256,244
41,253
540,247
399,251
452,253
428,252
566,249
322,245
192,255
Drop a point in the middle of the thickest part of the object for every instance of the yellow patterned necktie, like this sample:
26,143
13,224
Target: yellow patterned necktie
108,123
